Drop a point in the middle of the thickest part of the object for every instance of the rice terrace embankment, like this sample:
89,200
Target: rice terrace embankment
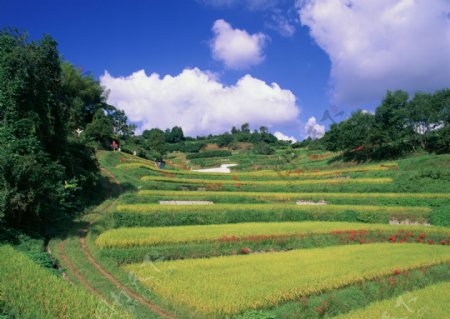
252,252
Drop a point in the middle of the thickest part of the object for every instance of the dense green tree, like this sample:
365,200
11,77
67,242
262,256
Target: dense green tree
400,125
83,96
155,139
101,129
225,139
42,172
121,128
175,135
245,128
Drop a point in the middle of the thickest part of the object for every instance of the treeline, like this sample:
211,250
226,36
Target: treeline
156,143
51,116
400,125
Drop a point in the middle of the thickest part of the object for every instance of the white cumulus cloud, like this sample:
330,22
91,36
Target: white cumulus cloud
282,137
381,44
236,48
313,129
200,104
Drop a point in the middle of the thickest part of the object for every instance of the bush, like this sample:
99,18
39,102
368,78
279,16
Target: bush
263,149
206,154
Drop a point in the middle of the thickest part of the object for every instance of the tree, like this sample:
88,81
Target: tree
37,158
263,130
224,139
121,128
83,96
245,128
101,129
156,141
390,132
175,135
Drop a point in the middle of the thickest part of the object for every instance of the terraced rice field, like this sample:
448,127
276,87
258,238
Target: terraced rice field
332,181
430,302
257,255
152,236
227,285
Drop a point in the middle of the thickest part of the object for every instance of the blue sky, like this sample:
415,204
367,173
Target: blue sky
216,60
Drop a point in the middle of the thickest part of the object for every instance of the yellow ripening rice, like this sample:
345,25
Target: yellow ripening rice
333,181
228,285
152,236
430,302
153,208
289,196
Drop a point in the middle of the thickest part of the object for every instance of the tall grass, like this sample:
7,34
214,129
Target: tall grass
30,291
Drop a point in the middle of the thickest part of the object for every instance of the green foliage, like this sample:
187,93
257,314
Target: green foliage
399,126
263,148
43,171
82,94
206,154
174,135
100,129
156,141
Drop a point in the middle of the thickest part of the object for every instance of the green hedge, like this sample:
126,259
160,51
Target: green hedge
206,154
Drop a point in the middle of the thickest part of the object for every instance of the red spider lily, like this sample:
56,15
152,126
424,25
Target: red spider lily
430,241
397,272
422,235
443,242
245,250
361,241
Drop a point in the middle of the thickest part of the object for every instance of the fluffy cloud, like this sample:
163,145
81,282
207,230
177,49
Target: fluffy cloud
199,103
282,137
236,48
378,45
313,129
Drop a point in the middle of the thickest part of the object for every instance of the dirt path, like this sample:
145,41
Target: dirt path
106,275
69,265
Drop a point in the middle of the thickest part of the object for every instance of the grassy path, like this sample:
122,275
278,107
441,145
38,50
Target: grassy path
105,274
